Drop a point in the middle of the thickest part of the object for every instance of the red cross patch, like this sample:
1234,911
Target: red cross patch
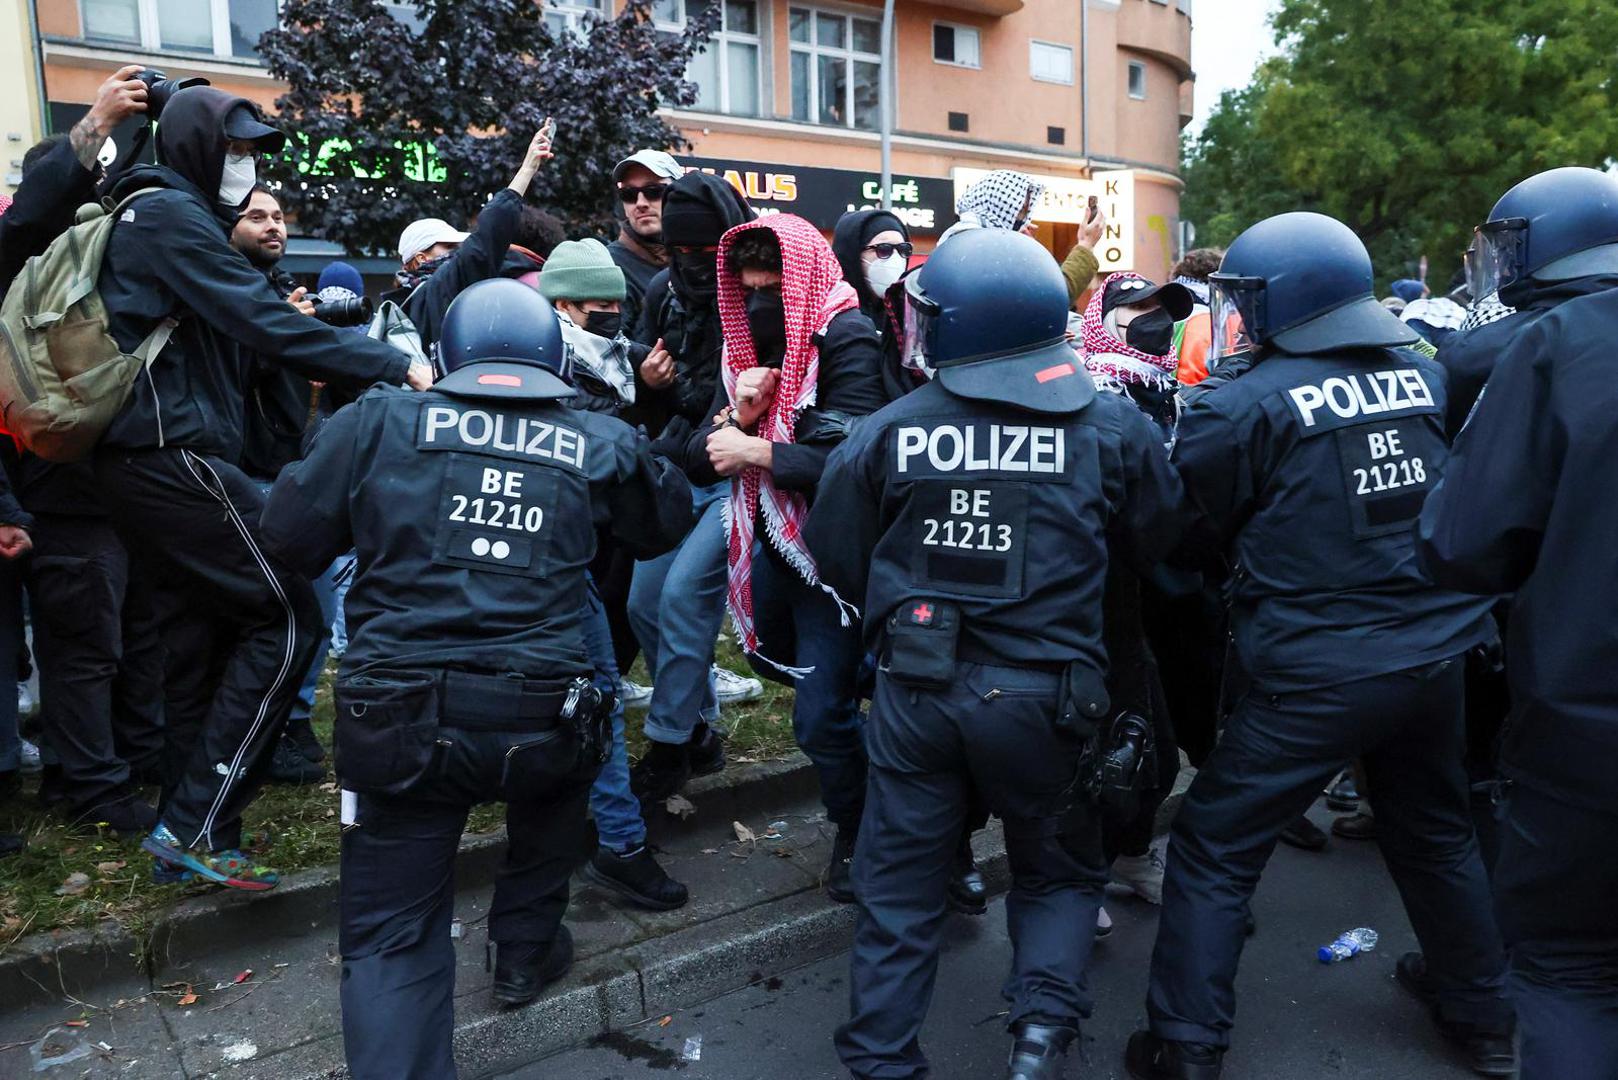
921,614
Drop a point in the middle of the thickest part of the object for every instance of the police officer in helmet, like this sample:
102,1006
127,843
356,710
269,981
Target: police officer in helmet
1526,508
972,516
473,510
1309,470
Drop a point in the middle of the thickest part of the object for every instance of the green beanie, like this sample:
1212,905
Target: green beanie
581,270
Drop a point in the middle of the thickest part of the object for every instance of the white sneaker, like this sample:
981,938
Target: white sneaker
1142,873
26,705
635,695
1103,923
28,757
732,689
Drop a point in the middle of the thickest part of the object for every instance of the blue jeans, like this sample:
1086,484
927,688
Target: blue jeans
676,606
339,621
619,824
800,625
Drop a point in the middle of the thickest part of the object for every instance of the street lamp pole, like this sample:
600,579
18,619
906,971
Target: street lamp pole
887,104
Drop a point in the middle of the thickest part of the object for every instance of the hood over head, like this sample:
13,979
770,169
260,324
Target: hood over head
854,230
191,139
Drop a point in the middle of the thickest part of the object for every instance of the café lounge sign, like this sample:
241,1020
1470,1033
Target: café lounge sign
925,204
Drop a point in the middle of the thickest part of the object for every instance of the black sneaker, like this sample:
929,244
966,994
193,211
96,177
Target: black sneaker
661,772
121,810
1304,835
1038,1051
522,970
302,735
706,750
637,878
289,766
968,892
839,872
52,788
1152,1058
1487,1053
1357,826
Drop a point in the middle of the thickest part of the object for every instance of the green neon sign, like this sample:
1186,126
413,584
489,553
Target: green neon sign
421,162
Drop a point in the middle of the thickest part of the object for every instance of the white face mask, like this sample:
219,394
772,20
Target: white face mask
236,182
880,274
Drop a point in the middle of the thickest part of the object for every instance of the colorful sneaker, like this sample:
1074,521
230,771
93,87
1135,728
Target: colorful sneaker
231,867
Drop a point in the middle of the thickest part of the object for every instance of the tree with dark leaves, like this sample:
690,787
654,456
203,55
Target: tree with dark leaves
398,120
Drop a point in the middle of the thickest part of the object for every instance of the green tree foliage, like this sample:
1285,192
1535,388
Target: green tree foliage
1407,120
398,119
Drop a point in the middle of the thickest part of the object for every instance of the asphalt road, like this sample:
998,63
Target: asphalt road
1297,1019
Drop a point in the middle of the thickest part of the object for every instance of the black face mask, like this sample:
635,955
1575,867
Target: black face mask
696,277
767,318
1151,333
607,324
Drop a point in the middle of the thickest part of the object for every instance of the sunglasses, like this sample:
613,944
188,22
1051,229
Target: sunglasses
627,194
885,251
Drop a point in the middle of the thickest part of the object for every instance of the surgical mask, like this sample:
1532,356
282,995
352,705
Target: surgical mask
766,317
236,182
880,274
607,324
1151,333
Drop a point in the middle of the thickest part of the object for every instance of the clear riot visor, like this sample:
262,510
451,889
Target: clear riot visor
920,314
1235,305
1502,248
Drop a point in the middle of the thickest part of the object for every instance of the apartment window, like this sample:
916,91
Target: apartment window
726,71
565,15
213,27
956,45
1137,80
1048,62
1056,136
836,68
959,121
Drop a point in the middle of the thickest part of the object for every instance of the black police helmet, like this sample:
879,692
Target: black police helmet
1300,283
988,311
1554,226
511,335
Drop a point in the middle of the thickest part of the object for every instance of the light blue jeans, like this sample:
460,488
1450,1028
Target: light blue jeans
619,824
676,607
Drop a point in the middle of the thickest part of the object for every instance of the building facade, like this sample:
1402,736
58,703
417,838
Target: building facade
1089,96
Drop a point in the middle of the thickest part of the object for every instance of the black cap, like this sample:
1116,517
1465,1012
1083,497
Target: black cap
244,123
1173,297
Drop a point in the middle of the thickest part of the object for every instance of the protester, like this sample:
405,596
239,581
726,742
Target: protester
1194,333
1003,199
801,361
1080,266
641,182
873,249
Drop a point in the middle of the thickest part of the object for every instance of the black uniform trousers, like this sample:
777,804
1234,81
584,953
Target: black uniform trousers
240,629
1556,895
993,728
398,891
1275,755
100,656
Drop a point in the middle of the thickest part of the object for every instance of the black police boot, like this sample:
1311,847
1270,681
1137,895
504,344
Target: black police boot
636,877
661,772
121,810
289,766
968,892
522,970
1152,1058
1344,795
1038,1050
301,733
1305,835
706,751
1487,1053
839,872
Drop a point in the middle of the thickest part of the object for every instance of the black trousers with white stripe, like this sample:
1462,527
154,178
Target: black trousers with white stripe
240,629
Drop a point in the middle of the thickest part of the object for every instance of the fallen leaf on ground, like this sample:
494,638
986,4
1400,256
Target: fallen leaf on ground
666,1021
73,884
243,976
76,1023
110,867
743,833
680,806
188,998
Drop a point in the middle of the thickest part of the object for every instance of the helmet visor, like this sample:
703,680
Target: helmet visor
920,314
1236,307
1502,249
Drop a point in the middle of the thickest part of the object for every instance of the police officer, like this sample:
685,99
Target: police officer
972,515
473,511
1309,469
1526,507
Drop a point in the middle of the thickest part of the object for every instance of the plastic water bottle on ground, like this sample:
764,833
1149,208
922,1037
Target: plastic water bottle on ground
1348,943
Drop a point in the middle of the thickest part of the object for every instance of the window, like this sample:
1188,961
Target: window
564,15
956,45
836,68
1056,136
726,71
958,121
1050,63
213,27
1137,80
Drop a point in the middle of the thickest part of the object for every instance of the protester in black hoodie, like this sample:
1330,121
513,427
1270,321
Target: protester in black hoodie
240,628
873,248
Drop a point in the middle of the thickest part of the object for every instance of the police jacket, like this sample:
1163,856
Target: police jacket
473,517
694,340
170,256
480,257
1526,506
1310,470
1004,511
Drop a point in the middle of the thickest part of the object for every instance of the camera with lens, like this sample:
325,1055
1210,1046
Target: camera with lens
354,311
159,88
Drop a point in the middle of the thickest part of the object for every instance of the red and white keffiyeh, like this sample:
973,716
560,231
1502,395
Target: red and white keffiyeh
812,292
1108,359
